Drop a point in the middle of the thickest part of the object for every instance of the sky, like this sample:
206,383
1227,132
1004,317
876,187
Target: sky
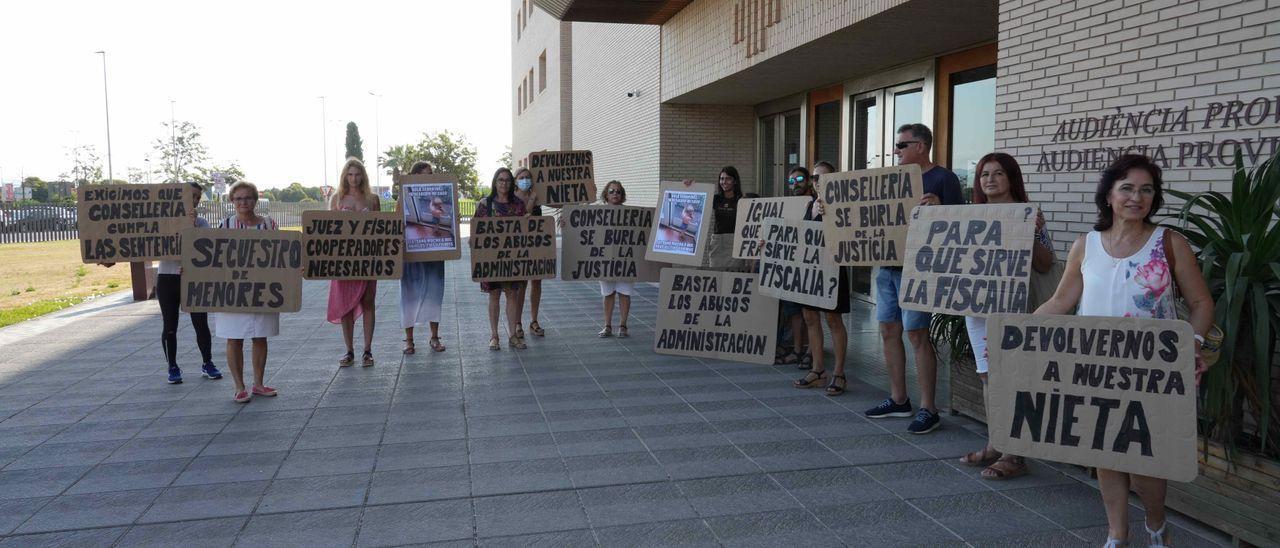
249,75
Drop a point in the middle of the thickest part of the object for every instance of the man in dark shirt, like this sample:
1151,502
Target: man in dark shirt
941,186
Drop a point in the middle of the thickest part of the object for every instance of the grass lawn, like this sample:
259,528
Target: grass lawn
39,278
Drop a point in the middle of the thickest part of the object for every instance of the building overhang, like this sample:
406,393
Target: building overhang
647,12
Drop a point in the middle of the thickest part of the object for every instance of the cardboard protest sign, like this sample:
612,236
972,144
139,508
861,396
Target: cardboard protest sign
679,229
563,177
513,248
753,211
607,242
866,213
429,204
969,260
717,315
226,270
125,223
352,245
1115,393
794,265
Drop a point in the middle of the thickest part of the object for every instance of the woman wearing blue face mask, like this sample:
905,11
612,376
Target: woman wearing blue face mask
524,191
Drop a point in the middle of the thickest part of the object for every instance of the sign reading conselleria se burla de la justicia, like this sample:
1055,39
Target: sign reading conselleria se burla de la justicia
1200,153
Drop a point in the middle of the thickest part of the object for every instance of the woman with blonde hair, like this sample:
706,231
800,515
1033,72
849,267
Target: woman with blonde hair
349,299
614,194
235,327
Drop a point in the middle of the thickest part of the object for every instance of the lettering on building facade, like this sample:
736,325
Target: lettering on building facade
751,18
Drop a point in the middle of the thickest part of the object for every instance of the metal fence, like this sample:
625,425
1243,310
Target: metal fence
44,223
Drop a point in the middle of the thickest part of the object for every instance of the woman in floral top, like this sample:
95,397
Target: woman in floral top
503,202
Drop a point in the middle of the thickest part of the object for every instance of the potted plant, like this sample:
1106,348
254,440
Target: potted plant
949,332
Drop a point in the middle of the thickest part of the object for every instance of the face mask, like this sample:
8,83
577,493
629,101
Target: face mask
524,184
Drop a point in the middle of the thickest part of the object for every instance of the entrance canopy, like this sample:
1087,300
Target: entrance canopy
650,12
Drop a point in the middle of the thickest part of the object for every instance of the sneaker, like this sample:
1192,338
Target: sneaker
175,375
924,422
888,409
210,371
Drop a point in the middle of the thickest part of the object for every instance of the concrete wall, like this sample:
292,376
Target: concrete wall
1087,61
621,131
544,123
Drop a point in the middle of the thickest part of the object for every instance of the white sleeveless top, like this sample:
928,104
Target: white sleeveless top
1139,286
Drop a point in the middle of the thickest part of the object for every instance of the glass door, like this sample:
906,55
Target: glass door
779,151
973,122
866,131
904,104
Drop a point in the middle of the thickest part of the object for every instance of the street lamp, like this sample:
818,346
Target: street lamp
377,138
173,141
107,106
324,136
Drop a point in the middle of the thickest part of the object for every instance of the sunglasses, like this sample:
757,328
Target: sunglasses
795,180
904,144
614,191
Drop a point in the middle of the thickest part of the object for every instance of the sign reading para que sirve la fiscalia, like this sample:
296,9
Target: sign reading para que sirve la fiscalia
1115,393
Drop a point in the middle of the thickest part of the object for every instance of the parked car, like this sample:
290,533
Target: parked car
38,219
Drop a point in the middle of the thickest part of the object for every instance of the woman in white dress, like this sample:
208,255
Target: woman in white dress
236,327
421,292
614,194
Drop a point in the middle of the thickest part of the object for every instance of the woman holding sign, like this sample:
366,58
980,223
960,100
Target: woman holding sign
1124,268
835,316
524,191
725,202
1000,182
614,194
349,299
421,291
503,202
235,327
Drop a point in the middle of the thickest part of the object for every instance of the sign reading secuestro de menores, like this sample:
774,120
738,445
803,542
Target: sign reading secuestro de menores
607,242
563,177
241,270
794,266
513,248
719,315
753,211
124,223
969,260
352,245
1115,393
866,213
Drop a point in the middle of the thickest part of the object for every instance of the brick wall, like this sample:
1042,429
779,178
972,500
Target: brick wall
698,140
543,124
1061,61
621,131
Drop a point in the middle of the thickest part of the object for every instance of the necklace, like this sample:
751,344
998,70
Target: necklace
1113,242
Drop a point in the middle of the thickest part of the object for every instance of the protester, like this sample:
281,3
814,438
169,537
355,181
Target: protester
503,202
725,202
349,299
524,191
941,187
422,291
614,194
235,327
835,319
1108,274
798,184
169,295
999,181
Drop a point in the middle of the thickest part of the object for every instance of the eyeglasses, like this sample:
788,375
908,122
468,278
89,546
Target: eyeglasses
503,180
245,199
904,144
614,191
795,180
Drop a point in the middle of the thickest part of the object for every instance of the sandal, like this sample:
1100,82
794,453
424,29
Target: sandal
366,359
1004,469
606,332
788,358
494,344
409,348
834,389
536,329
435,344
520,331
517,343
347,359
622,332
806,358
980,458
812,379
242,396
265,391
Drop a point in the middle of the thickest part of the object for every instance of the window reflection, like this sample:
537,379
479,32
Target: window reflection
973,120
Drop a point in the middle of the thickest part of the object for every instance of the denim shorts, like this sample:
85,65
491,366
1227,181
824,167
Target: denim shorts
888,281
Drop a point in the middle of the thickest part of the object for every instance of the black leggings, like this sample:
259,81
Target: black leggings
169,293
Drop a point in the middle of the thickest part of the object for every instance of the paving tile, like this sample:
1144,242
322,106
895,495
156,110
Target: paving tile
585,419
510,448
321,437
778,528
126,476
209,533
614,469
345,416
1073,506
254,441
597,442
874,449
420,484
292,419
140,449
831,486
328,462
526,513
580,538
90,510
51,455
883,523
314,493
313,529
424,431
231,468
184,426
416,523
705,462
683,435
205,501
14,512
736,495
27,436
968,515
686,533
100,431
506,425
673,413
924,479
758,430
775,456
86,537
38,482
635,503
519,476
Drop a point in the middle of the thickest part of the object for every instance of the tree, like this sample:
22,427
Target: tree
446,151
505,159
86,167
355,146
39,189
180,151
231,173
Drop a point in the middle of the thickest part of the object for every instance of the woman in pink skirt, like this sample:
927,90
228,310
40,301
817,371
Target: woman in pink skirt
349,299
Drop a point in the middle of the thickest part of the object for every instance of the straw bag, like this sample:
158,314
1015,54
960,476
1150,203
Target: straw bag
1211,348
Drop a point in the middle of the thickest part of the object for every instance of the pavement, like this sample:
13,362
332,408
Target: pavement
576,441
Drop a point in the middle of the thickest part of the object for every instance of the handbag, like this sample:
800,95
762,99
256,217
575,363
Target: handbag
1211,347
1043,285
